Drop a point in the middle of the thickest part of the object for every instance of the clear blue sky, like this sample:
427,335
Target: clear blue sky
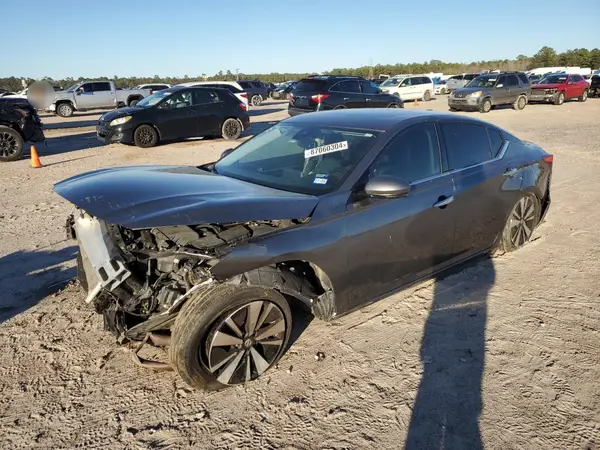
61,38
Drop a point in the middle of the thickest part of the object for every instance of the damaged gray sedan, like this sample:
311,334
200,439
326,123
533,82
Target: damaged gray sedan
328,211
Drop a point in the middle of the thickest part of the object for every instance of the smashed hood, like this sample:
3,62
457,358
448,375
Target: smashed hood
157,196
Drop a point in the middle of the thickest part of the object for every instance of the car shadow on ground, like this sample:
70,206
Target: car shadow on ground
449,399
30,276
75,115
72,124
262,112
258,127
66,144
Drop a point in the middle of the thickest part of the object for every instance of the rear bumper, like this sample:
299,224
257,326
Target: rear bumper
297,111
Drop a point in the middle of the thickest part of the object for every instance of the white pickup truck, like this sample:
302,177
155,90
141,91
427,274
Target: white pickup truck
87,95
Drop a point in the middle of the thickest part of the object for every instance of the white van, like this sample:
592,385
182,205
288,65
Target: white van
409,87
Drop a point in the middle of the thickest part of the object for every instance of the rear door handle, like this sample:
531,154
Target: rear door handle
444,202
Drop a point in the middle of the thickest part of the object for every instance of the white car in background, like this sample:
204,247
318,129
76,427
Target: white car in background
154,87
409,87
233,86
440,87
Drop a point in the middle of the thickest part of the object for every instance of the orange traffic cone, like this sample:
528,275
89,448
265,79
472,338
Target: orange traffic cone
416,102
35,159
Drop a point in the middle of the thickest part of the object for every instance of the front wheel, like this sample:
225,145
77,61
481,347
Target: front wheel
11,144
145,136
560,99
64,110
231,129
522,220
486,106
584,96
229,334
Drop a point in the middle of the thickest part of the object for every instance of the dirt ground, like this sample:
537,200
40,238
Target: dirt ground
503,354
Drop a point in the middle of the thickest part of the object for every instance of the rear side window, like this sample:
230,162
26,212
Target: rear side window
231,88
523,78
470,76
203,97
467,144
244,84
101,87
412,155
257,85
346,86
496,141
311,85
511,80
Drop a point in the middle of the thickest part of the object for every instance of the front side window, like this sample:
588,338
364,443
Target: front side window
405,82
309,159
179,100
88,87
496,141
412,155
467,144
369,87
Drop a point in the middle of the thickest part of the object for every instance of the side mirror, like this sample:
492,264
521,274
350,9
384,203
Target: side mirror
387,187
79,91
226,152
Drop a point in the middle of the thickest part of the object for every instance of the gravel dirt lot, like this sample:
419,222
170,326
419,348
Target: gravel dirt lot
502,354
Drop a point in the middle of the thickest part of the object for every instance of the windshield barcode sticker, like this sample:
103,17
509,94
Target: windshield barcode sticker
324,149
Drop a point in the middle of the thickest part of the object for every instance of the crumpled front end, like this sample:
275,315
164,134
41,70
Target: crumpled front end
138,279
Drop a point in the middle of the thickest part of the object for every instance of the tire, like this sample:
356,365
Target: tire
511,237
583,96
231,129
427,96
256,100
11,144
339,107
394,106
201,361
145,136
64,109
486,106
453,109
133,102
560,99
520,103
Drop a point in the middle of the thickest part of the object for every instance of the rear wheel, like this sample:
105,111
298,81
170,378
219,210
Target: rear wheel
584,96
560,99
133,102
231,129
522,220
145,136
229,334
520,103
486,106
427,96
11,144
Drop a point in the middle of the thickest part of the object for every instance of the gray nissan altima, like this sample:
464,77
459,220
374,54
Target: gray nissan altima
329,211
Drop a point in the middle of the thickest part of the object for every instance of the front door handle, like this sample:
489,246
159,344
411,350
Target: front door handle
443,202
510,173
346,98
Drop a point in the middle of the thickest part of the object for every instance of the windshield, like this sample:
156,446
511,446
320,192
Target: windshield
153,99
554,79
482,82
305,159
75,86
390,82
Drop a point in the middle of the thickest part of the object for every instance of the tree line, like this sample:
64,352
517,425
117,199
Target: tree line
545,57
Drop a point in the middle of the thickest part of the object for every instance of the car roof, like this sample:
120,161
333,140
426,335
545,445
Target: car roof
370,118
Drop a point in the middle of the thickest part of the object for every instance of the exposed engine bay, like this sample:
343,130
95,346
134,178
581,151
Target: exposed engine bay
137,279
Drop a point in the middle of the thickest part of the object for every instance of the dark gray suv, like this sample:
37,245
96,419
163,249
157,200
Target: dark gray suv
488,90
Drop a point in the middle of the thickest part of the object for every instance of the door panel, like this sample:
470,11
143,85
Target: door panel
178,120
85,99
391,242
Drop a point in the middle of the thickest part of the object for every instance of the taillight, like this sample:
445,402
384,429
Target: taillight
151,92
244,95
319,97
549,159
243,106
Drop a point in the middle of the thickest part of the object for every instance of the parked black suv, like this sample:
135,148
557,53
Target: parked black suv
19,123
257,92
322,93
488,90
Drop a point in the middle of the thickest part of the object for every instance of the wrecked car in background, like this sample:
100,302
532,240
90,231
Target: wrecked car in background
328,211
19,123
